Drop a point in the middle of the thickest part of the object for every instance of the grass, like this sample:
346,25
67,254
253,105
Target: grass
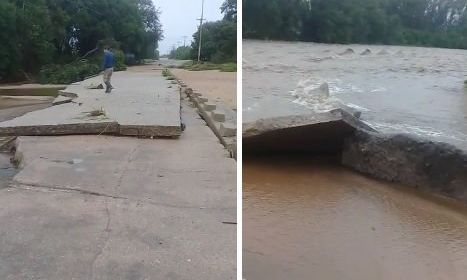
168,76
203,66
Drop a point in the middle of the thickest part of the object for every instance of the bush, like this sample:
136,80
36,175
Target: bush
119,60
69,73
204,66
79,70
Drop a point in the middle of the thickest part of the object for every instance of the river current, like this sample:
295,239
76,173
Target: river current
398,89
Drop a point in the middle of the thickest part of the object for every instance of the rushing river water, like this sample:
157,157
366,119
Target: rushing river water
312,219
398,89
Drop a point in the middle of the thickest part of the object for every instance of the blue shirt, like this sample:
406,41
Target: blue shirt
108,59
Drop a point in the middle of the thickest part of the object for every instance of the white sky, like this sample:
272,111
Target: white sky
179,18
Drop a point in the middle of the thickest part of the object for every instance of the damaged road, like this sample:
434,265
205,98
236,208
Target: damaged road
105,207
142,104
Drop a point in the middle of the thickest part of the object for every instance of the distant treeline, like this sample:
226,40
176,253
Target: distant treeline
41,34
438,23
219,39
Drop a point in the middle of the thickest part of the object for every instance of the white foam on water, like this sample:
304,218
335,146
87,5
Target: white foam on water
412,129
356,107
314,94
379,89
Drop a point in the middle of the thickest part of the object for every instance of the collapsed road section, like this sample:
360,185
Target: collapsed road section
105,207
427,165
142,104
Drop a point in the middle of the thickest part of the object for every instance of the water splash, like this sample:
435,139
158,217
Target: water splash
314,94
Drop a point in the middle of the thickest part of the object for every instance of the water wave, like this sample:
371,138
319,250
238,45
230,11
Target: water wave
314,94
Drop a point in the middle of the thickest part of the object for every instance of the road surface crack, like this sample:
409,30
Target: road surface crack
106,238
37,188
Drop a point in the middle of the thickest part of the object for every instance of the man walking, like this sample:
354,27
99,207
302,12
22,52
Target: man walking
108,68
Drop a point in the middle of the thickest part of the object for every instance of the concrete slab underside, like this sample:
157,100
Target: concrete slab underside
318,133
142,104
101,207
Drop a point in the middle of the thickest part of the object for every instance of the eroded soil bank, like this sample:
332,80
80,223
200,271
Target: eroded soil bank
312,218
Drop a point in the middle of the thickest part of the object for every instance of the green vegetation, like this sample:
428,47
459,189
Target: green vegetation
61,40
203,66
219,44
219,38
65,74
438,23
181,53
166,72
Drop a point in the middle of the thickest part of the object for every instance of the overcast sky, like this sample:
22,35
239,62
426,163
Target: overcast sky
179,18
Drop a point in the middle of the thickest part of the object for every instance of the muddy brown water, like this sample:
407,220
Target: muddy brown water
313,219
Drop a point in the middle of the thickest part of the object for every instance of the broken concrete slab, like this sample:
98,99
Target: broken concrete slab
317,132
59,120
67,93
430,166
114,168
59,100
218,116
100,207
209,107
228,129
202,99
140,105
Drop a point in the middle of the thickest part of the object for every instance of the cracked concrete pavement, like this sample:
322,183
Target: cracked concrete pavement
142,104
102,207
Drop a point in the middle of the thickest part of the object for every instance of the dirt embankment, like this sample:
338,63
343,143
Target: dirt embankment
215,85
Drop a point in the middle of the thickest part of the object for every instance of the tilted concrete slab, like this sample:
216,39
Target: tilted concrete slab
140,105
194,170
59,100
317,132
102,207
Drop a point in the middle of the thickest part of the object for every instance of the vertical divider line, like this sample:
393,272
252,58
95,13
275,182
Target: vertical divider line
239,141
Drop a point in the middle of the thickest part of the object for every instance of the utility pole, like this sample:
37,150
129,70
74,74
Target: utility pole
184,40
200,30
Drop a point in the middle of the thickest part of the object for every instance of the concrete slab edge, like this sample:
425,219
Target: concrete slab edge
112,128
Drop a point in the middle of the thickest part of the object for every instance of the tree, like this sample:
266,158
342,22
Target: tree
9,53
35,33
181,53
219,37
440,23
229,9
